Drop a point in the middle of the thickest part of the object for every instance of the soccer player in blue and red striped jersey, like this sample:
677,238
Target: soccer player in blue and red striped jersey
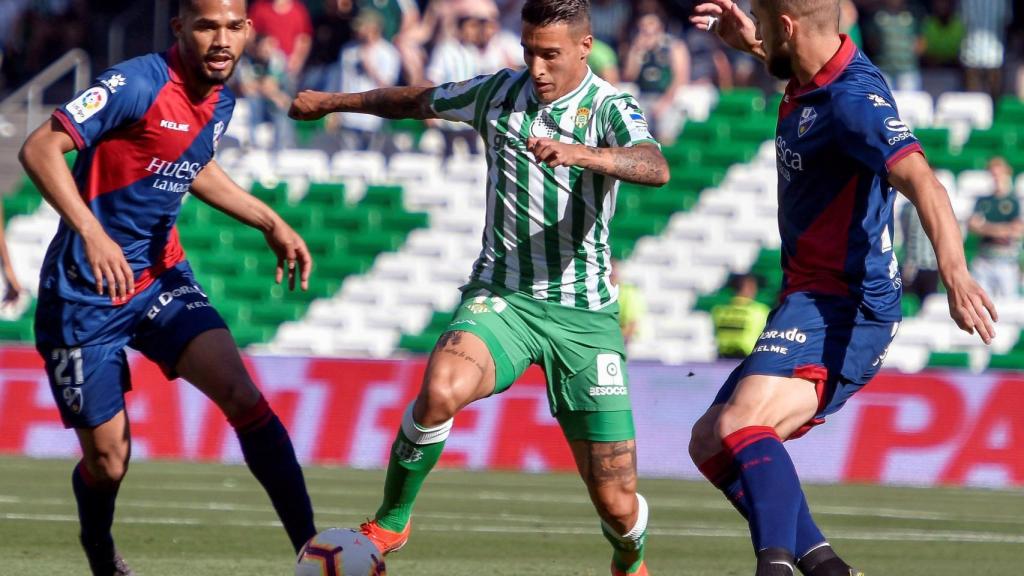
115,275
842,152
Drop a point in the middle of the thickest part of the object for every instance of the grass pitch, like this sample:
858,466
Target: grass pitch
211,520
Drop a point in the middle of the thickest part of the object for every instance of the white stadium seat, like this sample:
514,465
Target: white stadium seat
369,167
310,164
974,183
915,107
697,101
972,108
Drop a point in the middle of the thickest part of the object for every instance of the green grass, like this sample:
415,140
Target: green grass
207,520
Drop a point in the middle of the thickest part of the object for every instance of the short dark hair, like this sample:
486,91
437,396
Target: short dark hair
189,6
548,12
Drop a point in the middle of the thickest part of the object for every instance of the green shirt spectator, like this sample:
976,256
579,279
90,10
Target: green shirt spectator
739,323
604,62
632,310
942,32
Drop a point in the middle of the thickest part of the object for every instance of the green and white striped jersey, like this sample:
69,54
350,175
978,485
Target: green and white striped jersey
546,233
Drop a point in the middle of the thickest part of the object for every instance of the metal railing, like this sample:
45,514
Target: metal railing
30,96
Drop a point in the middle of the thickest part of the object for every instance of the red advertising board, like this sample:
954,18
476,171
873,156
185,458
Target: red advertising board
929,428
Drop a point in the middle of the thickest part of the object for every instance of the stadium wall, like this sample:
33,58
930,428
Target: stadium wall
932,428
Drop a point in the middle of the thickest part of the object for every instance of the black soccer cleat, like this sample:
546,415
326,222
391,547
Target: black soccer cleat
104,560
823,561
775,562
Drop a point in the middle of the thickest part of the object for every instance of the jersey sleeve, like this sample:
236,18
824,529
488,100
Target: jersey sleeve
118,98
623,124
458,101
872,131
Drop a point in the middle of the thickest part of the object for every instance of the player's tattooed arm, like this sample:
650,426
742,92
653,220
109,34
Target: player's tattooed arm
395,103
640,164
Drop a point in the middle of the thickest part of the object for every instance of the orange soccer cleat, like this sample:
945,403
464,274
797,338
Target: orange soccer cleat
386,540
641,571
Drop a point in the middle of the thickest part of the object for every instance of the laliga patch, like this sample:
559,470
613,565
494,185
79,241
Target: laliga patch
807,118
88,104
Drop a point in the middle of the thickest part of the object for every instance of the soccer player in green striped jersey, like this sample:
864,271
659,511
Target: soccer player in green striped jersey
558,139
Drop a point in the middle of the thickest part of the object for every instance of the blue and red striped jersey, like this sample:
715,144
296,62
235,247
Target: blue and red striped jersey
142,140
836,139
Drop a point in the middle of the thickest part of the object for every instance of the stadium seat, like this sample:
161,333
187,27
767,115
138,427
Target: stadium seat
311,164
367,167
973,108
697,100
915,107
415,170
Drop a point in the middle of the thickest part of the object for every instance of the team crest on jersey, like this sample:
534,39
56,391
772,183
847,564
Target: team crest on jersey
88,104
807,118
218,131
582,118
114,82
73,398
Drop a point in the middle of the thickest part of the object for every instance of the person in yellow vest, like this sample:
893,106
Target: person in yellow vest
739,323
632,306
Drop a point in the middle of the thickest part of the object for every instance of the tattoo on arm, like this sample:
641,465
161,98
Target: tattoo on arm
642,164
611,463
401,102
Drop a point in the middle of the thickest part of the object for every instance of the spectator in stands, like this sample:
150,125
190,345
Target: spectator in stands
454,60
604,62
263,77
332,29
660,65
10,14
632,306
288,22
849,21
610,21
499,48
11,289
400,27
739,323
920,270
984,46
896,45
942,33
368,63
997,220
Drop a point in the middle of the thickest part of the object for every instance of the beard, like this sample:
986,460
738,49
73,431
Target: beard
213,77
780,66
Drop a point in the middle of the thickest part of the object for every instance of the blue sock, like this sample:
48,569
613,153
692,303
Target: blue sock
721,470
770,486
95,509
271,458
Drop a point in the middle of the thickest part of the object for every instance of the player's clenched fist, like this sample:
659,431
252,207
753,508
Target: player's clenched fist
553,153
309,105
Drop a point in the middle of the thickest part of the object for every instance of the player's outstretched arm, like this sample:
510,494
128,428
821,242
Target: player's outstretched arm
969,305
640,164
42,156
728,21
217,189
394,103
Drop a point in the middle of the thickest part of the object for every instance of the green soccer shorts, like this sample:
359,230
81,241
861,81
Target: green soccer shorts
581,351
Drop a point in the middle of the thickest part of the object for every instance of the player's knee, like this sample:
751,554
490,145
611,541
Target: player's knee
619,509
703,442
108,468
237,397
439,401
733,418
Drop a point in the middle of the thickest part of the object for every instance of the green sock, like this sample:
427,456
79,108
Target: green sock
407,469
622,552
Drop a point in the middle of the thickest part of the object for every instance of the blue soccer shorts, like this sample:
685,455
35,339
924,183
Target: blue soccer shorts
83,345
825,339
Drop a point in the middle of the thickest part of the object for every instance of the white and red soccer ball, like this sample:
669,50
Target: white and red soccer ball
340,552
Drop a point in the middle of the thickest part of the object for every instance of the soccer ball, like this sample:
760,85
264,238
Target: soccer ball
340,552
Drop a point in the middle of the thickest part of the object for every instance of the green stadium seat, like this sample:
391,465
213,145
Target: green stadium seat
967,159
247,239
684,152
710,131
383,197
275,196
949,360
253,288
274,313
1010,111
706,302
194,212
722,156
325,194
20,330
994,140
1012,360
341,265
740,103
325,242
399,221
224,263
910,305
373,242
246,334
933,140
234,312
353,219
205,238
